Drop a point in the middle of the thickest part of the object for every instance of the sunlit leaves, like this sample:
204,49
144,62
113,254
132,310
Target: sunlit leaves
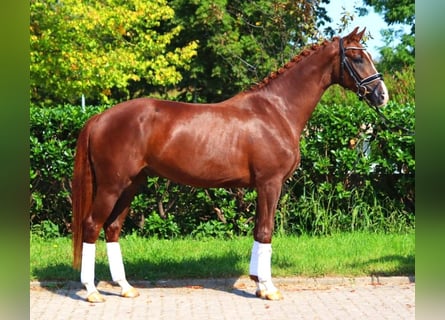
97,48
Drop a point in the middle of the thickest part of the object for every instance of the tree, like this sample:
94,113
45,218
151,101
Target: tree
395,58
395,11
112,50
240,42
102,49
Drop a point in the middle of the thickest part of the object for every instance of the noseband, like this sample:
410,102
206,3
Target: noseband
360,84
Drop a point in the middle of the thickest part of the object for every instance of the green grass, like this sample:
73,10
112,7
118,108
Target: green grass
345,254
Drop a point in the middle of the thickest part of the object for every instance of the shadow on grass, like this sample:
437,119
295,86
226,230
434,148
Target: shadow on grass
217,273
403,266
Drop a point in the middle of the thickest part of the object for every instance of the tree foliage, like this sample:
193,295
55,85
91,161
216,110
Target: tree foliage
112,50
191,50
395,58
395,11
241,41
99,48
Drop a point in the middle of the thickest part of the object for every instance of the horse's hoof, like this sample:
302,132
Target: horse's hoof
130,293
95,297
261,294
274,296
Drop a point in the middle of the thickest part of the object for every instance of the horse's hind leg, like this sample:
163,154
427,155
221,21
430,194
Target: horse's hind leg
115,260
103,205
112,230
109,212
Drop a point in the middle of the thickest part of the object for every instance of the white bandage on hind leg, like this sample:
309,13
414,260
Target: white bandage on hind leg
87,269
117,265
260,265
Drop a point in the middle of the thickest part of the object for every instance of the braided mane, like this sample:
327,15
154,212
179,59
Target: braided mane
296,59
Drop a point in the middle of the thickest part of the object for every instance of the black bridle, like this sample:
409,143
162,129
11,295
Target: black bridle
361,84
362,90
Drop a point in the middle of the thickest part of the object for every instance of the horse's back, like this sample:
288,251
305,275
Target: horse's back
206,145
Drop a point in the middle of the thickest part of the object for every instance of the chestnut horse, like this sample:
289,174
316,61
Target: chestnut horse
250,140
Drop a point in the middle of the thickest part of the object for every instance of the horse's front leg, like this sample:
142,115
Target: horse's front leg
260,261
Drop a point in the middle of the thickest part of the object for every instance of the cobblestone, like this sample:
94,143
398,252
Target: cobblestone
320,298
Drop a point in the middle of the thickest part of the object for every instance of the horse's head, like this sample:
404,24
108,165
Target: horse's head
357,71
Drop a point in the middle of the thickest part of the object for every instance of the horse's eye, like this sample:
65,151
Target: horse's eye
357,59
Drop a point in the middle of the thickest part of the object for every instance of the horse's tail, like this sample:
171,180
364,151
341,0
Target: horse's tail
82,191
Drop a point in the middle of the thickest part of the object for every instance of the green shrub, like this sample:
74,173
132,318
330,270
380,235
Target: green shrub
53,135
355,173
46,229
155,226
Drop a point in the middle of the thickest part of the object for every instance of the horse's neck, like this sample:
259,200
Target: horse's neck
300,88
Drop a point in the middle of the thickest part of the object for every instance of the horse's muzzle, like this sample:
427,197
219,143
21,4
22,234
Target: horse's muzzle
378,95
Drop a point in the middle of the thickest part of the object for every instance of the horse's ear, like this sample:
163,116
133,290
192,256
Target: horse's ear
360,35
355,35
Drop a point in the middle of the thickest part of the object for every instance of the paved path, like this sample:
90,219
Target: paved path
323,298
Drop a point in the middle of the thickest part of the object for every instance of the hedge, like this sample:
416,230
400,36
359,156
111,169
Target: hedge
356,173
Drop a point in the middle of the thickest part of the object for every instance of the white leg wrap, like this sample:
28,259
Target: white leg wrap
253,267
260,261
87,269
117,265
260,265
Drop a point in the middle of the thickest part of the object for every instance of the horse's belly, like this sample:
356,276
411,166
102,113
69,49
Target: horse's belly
201,172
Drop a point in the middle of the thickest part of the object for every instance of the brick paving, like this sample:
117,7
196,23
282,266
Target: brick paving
207,299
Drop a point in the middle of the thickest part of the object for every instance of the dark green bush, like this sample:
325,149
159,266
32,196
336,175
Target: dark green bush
53,135
356,173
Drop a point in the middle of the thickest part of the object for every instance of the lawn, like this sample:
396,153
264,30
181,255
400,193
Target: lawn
345,254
